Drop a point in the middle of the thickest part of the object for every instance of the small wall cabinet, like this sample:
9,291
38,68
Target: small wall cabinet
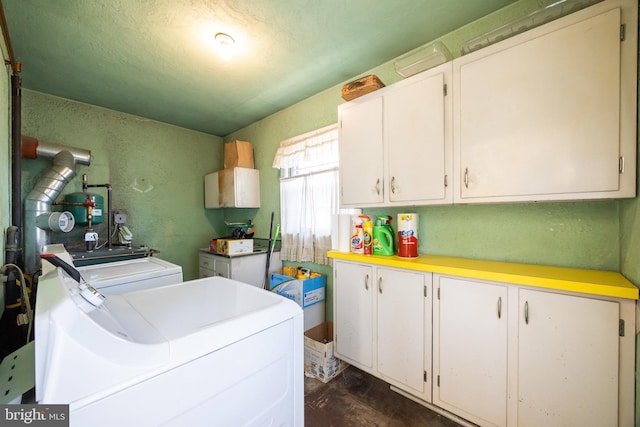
232,188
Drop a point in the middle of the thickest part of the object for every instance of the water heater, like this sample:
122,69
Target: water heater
73,203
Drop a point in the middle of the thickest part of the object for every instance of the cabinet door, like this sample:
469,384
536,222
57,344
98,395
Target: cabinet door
404,330
249,269
353,313
540,120
246,188
417,142
222,267
211,191
206,265
361,153
567,360
470,350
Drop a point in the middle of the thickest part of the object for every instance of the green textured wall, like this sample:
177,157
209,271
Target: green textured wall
156,172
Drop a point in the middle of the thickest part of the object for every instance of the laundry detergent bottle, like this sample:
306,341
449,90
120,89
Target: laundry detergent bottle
383,237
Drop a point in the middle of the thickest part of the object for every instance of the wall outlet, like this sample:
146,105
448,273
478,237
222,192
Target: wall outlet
119,217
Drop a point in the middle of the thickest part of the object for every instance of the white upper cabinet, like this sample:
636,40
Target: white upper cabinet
417,140
395,143
232,188
550,114
361,151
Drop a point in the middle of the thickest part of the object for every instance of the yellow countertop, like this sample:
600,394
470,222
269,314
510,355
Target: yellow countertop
595,282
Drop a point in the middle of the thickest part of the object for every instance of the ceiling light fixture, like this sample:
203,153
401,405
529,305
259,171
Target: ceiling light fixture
225,45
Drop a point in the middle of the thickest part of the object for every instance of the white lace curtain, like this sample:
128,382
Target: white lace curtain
320,146
309,195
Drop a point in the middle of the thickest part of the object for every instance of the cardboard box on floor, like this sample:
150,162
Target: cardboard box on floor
319,360
238,154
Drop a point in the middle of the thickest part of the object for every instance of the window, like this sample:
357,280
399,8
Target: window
308,194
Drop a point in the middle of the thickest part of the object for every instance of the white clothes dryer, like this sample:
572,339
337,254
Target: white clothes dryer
207,352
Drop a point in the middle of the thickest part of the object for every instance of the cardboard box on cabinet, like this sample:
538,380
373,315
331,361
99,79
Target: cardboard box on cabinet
319,360
234,246
238,154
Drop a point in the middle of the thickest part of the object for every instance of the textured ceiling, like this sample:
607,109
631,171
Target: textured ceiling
156,59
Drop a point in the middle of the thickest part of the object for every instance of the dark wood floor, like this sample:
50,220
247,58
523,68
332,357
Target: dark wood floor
356,399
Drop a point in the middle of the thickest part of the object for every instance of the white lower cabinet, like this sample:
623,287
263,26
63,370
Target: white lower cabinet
470,350
382,324
353,312
404,330
243,268
567,360
508,355
213,265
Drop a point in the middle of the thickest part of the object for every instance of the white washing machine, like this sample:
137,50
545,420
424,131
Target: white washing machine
121,276
209,352
131,275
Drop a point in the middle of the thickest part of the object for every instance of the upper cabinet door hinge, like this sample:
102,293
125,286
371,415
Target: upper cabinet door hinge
621,164
424,377
446,184
621,328
444,89
623,32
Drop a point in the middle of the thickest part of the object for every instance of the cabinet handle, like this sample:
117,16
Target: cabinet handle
393,184
466,177
526,312
378,186
380,284
366,282
499,307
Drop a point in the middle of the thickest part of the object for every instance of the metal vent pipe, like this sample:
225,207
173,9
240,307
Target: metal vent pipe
45,192
33,148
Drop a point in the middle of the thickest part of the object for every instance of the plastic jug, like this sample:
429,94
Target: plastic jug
382,240
357,237
367,231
